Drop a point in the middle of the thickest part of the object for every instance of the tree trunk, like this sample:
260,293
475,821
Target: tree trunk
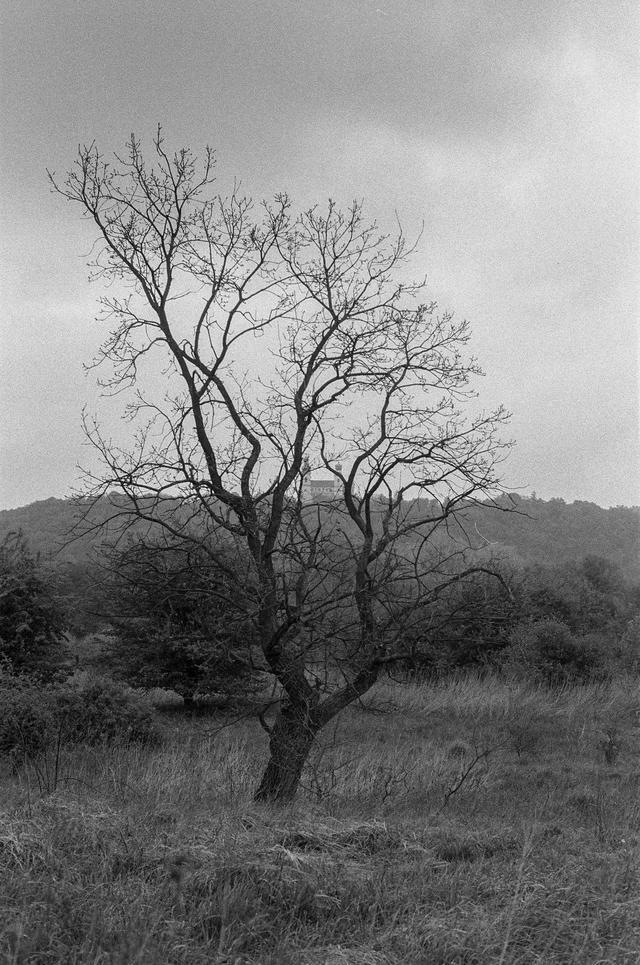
291,740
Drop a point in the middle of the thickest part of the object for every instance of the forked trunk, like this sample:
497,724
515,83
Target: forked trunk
291,741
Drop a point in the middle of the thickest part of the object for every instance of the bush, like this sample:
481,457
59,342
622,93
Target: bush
96,710
32,620
465,626
90,710
588,596
27,717
191,664
629,646
182,621
547,652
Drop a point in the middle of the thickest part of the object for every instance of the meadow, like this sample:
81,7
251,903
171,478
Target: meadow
474,820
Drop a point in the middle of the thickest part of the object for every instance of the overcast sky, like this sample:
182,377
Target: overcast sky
509,128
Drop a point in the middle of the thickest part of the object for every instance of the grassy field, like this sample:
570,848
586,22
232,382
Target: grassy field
468,822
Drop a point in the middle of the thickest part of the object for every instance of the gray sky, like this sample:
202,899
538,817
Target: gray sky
509,128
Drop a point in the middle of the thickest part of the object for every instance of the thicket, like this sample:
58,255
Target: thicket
179,622
180,619
575,621
37,715
32,615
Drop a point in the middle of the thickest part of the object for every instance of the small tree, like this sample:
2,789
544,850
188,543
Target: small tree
587,596
289,344
180,620
467,625
549,653
32,620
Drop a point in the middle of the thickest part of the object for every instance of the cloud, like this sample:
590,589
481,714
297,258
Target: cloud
509,128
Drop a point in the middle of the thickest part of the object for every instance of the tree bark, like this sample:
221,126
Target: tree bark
294,731
291,741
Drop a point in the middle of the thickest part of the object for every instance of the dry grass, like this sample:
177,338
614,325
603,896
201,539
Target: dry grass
469,822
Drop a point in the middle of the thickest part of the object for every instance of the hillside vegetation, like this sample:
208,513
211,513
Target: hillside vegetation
541,531
478,805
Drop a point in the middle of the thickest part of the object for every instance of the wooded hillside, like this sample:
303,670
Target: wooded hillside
540,531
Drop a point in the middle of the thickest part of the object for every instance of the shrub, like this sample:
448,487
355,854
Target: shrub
190,663
32,620
587,596
183,622
89,710
465,626
549,653
27,716
629,646
97,710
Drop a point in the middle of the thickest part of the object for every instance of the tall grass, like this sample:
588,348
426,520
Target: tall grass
472,821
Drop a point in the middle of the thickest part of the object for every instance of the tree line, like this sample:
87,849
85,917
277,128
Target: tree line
168,617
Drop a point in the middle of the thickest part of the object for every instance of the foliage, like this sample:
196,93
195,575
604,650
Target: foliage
463,626
552,532
27,716
474,621
576,594
32,620
544,532
181,619
79,585
549,653
97,710
83,709
630,644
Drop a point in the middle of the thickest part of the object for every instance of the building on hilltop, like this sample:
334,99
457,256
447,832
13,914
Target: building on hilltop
314,489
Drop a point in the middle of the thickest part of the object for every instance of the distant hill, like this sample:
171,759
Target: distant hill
46,524
541,531
552,531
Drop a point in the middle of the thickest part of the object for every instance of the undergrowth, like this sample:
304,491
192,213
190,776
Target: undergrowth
473,821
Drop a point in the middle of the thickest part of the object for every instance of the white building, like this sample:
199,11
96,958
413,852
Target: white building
317,489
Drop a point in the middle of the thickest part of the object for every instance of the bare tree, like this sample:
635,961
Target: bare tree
355,375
